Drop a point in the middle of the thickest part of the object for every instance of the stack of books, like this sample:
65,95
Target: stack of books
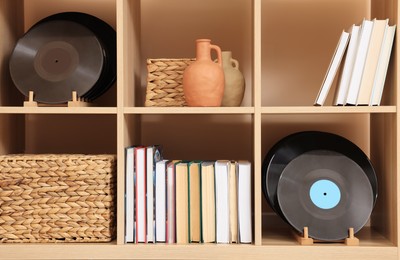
366,50
177,201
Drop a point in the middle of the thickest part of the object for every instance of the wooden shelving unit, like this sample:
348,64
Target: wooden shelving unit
284,49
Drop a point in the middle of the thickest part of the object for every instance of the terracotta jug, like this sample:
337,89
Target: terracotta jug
203,80
234,81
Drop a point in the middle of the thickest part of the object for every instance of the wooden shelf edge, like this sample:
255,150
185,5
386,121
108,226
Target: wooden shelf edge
149,251
283,236
328,109
58,110
189,110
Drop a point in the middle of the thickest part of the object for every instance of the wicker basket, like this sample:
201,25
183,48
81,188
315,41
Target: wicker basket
164,82
57,198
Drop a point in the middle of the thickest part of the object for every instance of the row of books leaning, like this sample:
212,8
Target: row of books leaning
367,49
178,201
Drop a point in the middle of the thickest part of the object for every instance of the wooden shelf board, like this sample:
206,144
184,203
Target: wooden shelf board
189,110
58,110
328,109
284,237
193,251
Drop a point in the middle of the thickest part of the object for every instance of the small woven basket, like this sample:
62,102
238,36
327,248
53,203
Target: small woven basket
164,82
57,198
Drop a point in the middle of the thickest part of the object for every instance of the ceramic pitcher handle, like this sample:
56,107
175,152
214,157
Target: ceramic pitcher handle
235,64
219,55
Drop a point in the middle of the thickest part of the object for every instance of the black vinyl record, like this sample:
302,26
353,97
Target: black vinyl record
294,145
56,58
326,192
107,36
62,53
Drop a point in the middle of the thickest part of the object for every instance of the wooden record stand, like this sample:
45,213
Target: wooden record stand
76,102
306,240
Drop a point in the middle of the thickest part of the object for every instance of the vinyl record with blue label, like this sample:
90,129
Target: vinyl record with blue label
294,145
327,192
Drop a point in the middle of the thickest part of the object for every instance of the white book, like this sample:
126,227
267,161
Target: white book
140,167
343,87
170,225
244,201
332,69
150,192
359,63
233,202
383,63
161,200
129,195
374,49
222,201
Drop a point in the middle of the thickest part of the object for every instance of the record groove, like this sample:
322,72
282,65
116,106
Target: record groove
289,147
63,53
326,192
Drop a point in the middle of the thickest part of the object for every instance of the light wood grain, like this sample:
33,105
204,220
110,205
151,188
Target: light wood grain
283,71
188,110
200,251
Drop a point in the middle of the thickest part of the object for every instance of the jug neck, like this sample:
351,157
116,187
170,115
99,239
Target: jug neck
203,49
226,58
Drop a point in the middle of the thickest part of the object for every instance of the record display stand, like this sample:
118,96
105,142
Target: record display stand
76,102
305,240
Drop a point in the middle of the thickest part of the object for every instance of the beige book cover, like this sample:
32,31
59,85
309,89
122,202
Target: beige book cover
182,202
194,201
233,211
371,62
383,63
207,202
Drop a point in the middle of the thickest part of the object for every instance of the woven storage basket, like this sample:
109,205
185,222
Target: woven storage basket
164,82
57,198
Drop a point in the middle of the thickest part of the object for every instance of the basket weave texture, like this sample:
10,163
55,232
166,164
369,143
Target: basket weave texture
164,82
57,198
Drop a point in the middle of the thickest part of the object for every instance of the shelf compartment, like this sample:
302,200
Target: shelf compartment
373,133
19,16
159,24
188,137
297,53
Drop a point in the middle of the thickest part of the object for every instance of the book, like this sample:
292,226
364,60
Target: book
345,75
374,48
207,197
332,69
383,63
129,195
244,201
182,202
359,62
222,168
170,224
140,172
233,220
194,202
153,155
161,200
